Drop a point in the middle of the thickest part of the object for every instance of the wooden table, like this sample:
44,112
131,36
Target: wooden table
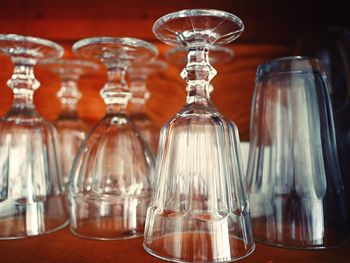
63,247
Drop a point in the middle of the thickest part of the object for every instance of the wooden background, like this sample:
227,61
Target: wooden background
272,27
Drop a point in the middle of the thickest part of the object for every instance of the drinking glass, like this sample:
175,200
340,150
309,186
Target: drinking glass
138,74
294,182
71,128
112,175
31,188
199,211
331,45
217,56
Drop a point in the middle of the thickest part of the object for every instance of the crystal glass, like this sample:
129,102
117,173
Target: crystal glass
294,182
331,45
32,201
71,128
138,74
217,56
199,211
112,176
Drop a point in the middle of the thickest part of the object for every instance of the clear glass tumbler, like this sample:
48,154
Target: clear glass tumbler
32,199
294,182
199,210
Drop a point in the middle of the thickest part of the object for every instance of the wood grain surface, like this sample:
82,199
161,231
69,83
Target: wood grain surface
272,28
63,246
234,85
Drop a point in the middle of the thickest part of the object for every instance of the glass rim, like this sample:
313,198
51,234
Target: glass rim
290,58
70,62
128,41
214,48
313,64
224,50
34,40
154,65
199,12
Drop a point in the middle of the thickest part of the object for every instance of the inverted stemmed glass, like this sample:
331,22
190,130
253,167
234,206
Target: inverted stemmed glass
32,199
217,56
112,175
138,74
199,210
71,128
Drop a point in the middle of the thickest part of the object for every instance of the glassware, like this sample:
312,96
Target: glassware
294,182
31,188
199,210
331,45
71,128
138,74
217,56
112,175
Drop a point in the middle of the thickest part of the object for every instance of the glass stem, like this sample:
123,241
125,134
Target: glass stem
140,93
69,95
198,73
116,92
23,83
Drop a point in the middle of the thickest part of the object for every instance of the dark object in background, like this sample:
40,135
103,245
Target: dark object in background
331,45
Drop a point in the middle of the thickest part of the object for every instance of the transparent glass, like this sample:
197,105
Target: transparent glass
112,176
217,56
32,201
138,74
71,128
199,211
294,183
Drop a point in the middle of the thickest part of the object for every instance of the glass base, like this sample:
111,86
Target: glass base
198,27
296,237
191,245
108,218
106,229
25,220
300,247
188,237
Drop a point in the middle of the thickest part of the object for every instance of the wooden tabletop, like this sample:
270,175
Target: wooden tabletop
64,247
